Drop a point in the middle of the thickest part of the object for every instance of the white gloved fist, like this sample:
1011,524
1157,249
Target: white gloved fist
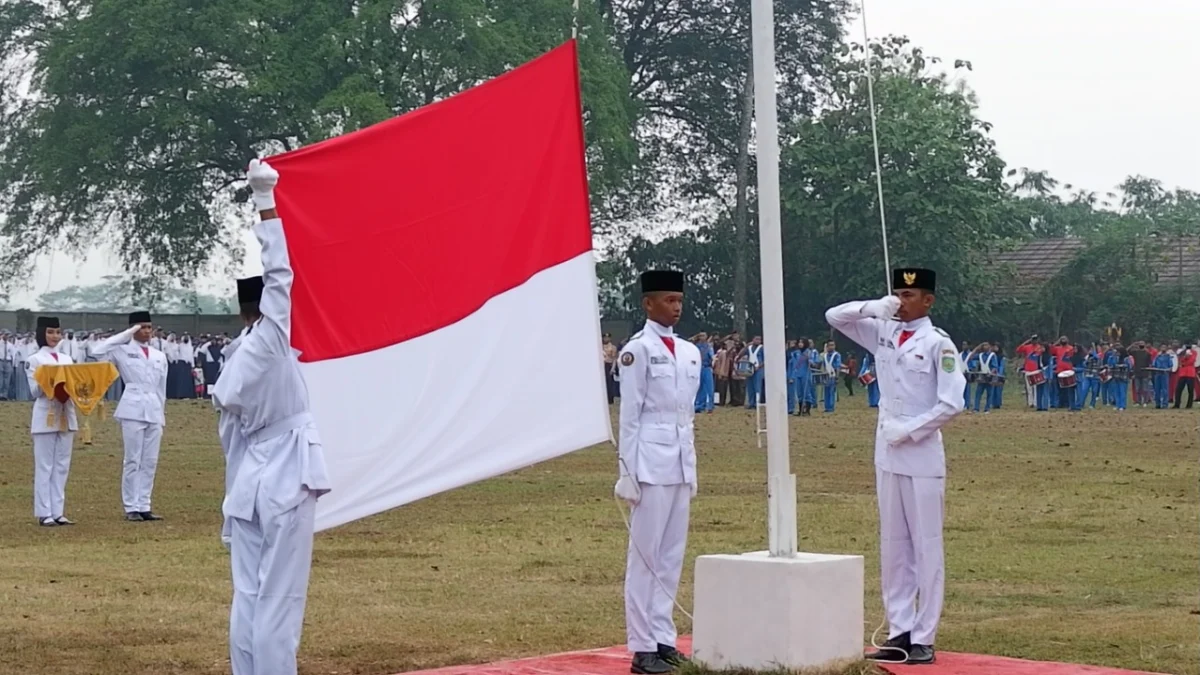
262,178
628,490
695,485
893,433
884,308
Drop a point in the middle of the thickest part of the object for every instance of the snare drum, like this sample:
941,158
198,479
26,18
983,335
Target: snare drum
1066,379
1035,377
744,368
1122,373
1105,375
820,379
984,379
844,370
866,379
998,381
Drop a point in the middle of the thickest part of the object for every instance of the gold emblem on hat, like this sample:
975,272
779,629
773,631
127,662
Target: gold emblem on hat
910,278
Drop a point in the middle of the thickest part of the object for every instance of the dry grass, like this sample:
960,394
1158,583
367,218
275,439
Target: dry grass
1069,537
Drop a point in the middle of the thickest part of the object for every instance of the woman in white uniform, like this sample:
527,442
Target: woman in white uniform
53,428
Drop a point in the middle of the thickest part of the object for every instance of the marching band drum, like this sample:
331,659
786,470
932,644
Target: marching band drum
867,378
1035,377
1066,379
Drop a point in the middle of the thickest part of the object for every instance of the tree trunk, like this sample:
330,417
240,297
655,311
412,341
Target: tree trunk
742,207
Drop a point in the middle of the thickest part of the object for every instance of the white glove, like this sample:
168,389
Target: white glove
884,308
695,485
893,433
262,179
227,542
628,490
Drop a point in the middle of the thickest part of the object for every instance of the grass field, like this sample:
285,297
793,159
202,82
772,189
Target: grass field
1069,538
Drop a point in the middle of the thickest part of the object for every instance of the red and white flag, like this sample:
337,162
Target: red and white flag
444,304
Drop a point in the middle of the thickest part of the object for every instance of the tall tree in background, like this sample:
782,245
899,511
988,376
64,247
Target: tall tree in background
129,121
689,68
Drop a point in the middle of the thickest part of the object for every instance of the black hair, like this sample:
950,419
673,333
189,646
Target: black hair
40,336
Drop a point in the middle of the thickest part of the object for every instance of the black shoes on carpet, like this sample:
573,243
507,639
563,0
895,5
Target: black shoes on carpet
900,649
665,660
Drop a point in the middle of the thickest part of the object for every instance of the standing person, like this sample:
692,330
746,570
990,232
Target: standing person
1162,377
53,428
985,364
704,397
968,356
802,374
1143,388
997,394
5,366
608,352
141,412
921,385
722,368
742,369
660,375
868,366
271,501
793,354
754,383
831,363
849,372
1186,375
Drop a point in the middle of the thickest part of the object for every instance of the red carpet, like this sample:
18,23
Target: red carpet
615,661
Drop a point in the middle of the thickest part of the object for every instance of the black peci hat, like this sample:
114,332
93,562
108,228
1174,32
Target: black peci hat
139,317
47,322
249,290
662,280
915,278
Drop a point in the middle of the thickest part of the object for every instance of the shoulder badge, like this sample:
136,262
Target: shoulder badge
627,359
949,362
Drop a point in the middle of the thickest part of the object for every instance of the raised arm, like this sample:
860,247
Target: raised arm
104,347
862,321
276,302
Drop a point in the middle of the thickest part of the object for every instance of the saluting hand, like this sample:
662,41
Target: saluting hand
884,308
262,178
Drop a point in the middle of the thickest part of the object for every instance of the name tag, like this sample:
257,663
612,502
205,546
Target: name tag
659,360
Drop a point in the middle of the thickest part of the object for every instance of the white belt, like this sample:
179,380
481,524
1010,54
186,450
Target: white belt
279,428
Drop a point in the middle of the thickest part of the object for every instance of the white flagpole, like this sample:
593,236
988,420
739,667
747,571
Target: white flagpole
575,20
781,483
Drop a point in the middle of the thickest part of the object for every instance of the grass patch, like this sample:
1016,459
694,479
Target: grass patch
1068,537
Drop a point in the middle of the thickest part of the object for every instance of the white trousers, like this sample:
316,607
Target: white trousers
912,562
51,463
271,559
658,531
1030,394
142,441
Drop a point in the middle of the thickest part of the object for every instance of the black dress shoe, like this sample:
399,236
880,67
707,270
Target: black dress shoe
893,650
147,515
47,522
671,655
920,655
63,520
649,663
134,517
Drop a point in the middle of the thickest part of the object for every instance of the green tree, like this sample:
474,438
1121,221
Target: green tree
140,115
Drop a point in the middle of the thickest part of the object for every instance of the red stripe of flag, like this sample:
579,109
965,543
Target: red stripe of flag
413,224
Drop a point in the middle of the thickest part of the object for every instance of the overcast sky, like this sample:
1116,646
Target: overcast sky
1089,90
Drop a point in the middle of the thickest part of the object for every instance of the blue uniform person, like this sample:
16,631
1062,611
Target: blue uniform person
831,364
793,355
754,383
985,366
969,366
1090,382
704,397
1162,377
1117,387
997,393
868,366
802,383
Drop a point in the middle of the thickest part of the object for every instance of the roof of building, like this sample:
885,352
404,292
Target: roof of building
1037,261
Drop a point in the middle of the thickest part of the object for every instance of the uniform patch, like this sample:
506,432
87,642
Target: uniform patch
627,359
659,360
950,363
949,351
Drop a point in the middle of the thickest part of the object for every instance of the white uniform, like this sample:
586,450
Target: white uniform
233,445
53,428
141,412
271,502
658,451
920,389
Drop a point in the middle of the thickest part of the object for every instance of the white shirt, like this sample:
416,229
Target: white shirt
262,387
921,387
48,413
657,444
144,374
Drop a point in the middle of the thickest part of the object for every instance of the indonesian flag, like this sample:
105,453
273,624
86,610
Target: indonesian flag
445,304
